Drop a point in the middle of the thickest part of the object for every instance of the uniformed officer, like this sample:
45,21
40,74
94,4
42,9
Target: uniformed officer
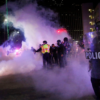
94,62
45,49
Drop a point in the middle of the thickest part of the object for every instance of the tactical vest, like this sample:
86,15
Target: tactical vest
45,48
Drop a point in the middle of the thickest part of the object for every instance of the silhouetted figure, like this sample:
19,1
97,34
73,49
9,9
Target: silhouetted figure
53,52
45,49
67,49
95,63
60,53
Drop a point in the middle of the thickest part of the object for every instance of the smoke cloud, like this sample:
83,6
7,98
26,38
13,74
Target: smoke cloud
70,82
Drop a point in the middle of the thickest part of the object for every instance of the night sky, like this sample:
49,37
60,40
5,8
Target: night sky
59,6
66,3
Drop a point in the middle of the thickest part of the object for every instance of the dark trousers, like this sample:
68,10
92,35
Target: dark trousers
61,61
54,59
96,87
46,59
65,59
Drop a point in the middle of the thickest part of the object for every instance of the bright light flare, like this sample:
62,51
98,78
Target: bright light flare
58,31
61,30
17,31
17,52
5,20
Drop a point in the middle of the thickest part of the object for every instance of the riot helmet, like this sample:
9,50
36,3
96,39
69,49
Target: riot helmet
44,42
66,39
97,27
53,45
58,42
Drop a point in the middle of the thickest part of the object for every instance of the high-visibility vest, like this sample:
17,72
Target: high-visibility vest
45,48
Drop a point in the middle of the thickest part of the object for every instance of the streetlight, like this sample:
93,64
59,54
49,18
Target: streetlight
5,20
18,32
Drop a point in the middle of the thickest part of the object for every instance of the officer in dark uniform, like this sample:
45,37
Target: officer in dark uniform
66,49
60,53
53,52
95,63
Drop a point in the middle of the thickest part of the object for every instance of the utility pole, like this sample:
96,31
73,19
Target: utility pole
7,20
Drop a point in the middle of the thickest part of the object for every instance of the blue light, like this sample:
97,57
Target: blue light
89,34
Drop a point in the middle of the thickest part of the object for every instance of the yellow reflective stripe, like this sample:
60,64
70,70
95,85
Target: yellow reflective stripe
45,48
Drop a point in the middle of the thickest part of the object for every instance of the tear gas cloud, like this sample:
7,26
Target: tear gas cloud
72,81
35,25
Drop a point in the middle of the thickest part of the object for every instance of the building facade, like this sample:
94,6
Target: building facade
87,17
72,20
97,13
90,15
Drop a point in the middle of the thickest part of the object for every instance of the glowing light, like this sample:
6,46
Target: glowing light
58,31
17,52
61,30
90,33
17,31
92,36
5,20
90,10
90,16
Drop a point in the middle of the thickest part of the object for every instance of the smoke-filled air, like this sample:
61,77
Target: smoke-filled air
38,24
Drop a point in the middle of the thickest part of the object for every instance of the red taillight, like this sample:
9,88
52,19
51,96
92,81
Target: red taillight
61,30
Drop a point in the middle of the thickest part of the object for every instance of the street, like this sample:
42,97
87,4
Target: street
21,87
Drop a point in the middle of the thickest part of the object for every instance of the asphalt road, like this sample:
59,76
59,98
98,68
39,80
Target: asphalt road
16,87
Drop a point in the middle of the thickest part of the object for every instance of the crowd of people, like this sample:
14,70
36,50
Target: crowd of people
54,54
58,54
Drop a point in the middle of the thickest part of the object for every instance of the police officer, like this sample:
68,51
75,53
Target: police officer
95,63
67,45
45,49
66,49
60,53
53,52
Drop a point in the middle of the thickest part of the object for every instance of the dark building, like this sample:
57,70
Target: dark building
2,31
71,18
87,17
69,15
